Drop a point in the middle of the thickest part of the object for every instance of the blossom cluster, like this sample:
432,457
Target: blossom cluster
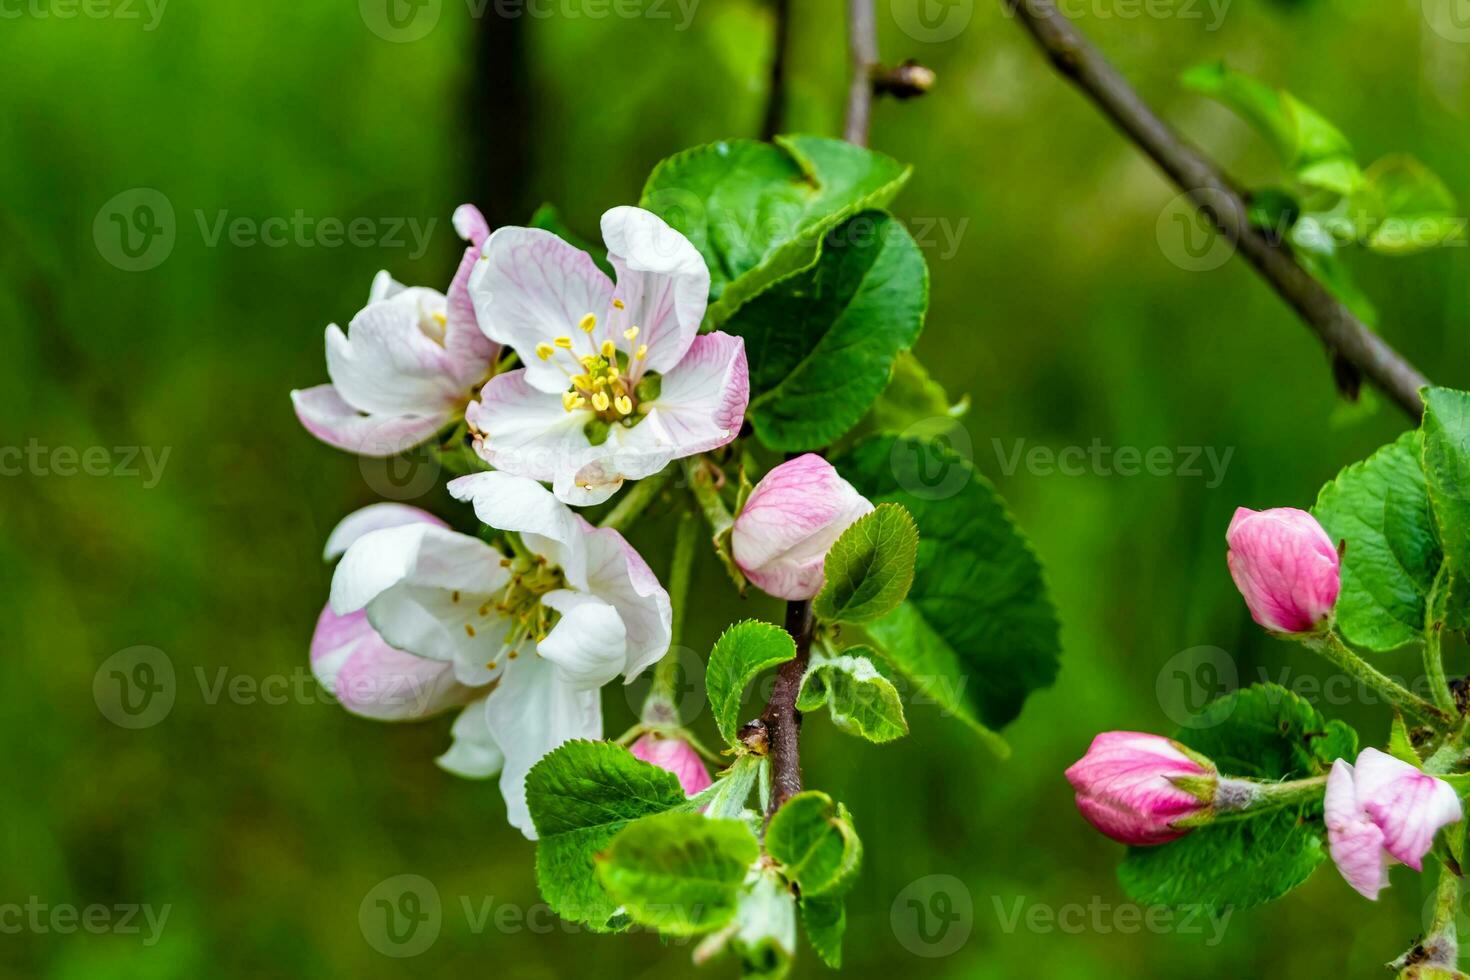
567,384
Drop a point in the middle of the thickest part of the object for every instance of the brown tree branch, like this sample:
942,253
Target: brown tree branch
1344,335
781,719
862,46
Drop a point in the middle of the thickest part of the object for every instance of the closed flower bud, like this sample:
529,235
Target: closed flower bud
790,522
678,757
1382,811
1285,566
1130,786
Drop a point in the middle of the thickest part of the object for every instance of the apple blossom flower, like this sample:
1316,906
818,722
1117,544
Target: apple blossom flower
792,519
1285,566
678,757
1125,786
617,382
1382,811
539,633
352,661
408,364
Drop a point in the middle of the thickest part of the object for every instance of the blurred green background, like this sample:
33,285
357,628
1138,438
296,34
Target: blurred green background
262,819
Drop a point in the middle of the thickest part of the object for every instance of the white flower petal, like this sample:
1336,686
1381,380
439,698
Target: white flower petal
526,431
372,679
325,415
662,280
617,574
531,712
470,352
473,753
373,517
531,287
387,365
514,503
703,399
589,644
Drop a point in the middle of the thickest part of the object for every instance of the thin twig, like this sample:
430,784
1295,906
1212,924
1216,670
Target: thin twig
782,720
1344,335
776,92
862,42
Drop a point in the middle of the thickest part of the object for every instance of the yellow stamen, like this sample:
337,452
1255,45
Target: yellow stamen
512,655
608,350
588,323
544,351
569,400
631,332
624,405
491,665
565,343
619,304
470,630
642,352
443,320
454,595
600,401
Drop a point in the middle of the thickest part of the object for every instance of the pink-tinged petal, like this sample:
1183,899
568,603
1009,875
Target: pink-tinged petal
1340,805
588,644
428,591
326,416
1357,851
662,281
678,757
792,519
1124,789
372,679
1407,805
531,287
617,574
703,399
389,364
470,224
513,503
530,713
373,517
473,754
526,431
1285,567
471,352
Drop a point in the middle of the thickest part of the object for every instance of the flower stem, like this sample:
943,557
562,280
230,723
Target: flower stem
661,706
1433,631
1330,646
636,500
1442,942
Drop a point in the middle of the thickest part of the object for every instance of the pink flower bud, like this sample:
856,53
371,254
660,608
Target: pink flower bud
790,522
1125,786
1285,566
678,757
1382,811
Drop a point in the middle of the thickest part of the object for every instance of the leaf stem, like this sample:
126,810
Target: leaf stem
661,705
636,500
1439,686
1330,646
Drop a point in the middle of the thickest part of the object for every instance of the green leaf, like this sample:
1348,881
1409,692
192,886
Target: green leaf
1446,460
825,920
978,632
1262,732
861,700
912,398
1399,744
821,343
870,568
816,844
757,211
742,652
679,873
580,795
1311,147
1380,507
1416,211
548,218
765,929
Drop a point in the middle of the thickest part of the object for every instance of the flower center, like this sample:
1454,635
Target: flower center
520,603
611,382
